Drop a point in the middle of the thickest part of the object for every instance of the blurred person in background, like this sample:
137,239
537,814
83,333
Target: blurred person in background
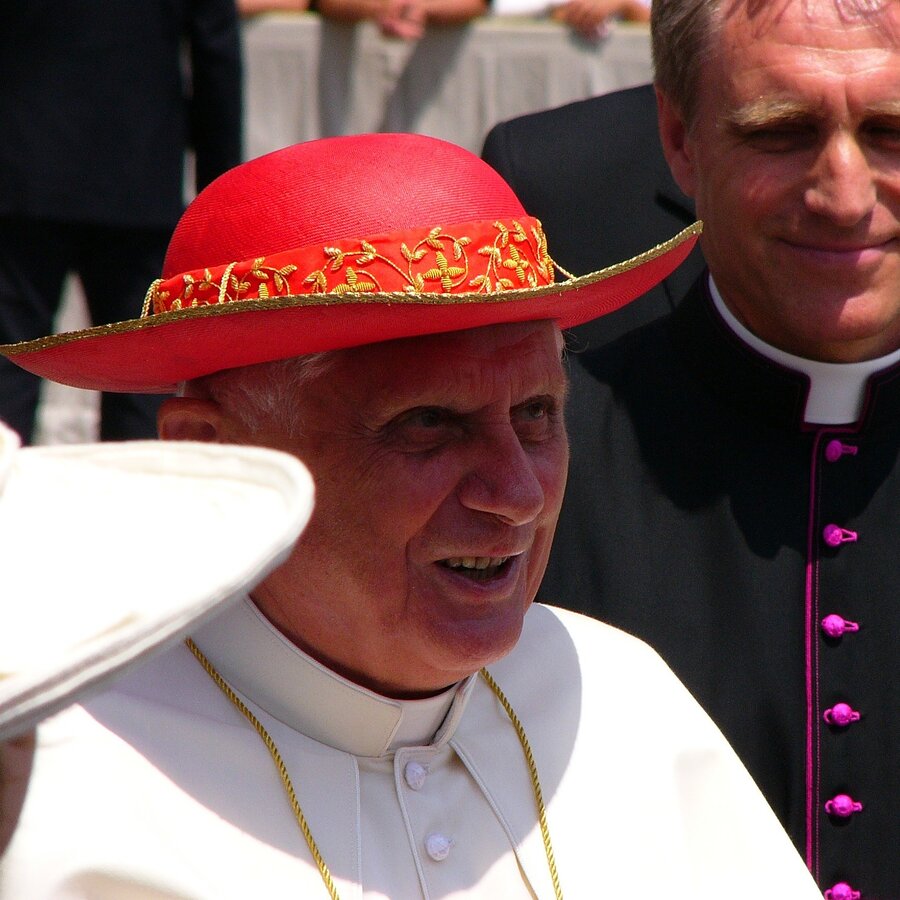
591,18
408,19
404,19
99,103
254,7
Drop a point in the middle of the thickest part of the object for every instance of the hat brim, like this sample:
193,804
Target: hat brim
156,353
112,552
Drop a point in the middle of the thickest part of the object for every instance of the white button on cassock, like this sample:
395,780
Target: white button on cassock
437,846
415,775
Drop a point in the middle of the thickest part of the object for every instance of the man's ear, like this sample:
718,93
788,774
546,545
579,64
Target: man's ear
676,144
191,419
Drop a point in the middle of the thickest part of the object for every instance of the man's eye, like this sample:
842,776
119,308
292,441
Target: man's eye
536,410
884,134
423,428
428,417
780,137
536,419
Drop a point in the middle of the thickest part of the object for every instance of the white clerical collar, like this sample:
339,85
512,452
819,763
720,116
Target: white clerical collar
836,390
260,663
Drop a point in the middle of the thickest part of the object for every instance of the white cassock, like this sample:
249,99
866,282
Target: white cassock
160,788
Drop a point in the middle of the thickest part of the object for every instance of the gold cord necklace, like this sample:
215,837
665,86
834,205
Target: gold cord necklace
226,689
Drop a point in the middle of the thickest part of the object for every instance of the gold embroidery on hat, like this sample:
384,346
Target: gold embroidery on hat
439,263
362,280
223,284
206,283
150,297
279,276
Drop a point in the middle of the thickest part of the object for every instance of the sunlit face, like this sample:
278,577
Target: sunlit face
794,162
439,465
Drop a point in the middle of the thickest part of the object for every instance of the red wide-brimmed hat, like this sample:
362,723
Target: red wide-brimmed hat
336,243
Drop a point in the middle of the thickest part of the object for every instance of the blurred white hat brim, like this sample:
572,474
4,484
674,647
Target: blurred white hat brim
109,552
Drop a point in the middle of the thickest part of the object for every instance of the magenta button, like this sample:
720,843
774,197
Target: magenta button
842,891
834,450
841,714
835,625
843,806
834,535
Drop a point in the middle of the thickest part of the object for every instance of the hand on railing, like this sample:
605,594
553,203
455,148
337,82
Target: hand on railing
589,17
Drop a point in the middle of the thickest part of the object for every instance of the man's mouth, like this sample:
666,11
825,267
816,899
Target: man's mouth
844,252
478,568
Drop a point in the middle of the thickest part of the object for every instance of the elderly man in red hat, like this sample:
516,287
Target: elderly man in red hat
387,715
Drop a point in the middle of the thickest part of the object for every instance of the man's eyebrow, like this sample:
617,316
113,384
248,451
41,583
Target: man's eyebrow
772,111
767,111
887,108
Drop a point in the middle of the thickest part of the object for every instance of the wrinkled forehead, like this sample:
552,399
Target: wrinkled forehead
813,15
474,363
498,344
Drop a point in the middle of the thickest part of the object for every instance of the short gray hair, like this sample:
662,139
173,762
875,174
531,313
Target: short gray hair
684,32
264,394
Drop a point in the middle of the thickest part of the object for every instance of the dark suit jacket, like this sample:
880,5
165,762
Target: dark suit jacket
96,112
694,518
594,173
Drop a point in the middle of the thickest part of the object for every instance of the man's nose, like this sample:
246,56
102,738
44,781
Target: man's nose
843,187
503,479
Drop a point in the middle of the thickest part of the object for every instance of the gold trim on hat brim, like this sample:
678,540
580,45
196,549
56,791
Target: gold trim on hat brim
347,299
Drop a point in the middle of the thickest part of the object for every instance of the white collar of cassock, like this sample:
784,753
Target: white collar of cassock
263,666
836,390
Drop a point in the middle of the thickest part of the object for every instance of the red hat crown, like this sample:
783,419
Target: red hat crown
333,189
